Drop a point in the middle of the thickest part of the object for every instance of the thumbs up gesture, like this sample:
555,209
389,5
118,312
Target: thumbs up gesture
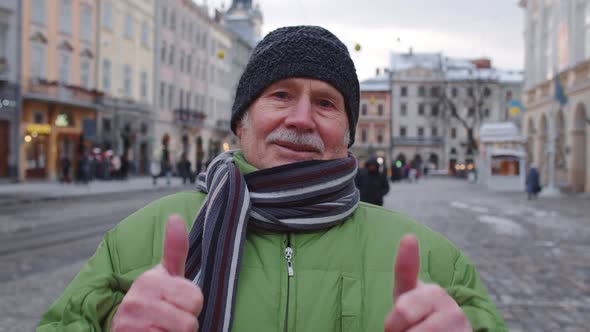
161,298
419,306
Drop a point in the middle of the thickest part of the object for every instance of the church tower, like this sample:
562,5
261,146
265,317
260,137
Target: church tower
245,20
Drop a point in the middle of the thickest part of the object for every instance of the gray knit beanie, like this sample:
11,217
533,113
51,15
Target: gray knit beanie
299,51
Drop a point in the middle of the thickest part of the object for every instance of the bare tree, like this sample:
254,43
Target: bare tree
477,92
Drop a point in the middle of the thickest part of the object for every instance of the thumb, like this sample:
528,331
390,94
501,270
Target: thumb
175,246
407,265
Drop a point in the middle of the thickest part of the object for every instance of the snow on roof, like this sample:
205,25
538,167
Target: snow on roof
376,83
403,61
454,68
500,132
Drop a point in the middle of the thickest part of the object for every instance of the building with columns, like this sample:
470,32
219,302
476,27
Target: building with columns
557,47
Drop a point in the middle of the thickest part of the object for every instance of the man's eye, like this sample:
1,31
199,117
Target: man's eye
326,104
280,95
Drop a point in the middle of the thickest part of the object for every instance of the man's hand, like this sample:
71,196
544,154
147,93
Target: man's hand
419,306
161,299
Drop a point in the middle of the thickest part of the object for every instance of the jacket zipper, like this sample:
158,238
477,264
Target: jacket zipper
290,273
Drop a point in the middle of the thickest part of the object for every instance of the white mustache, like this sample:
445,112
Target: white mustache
293,137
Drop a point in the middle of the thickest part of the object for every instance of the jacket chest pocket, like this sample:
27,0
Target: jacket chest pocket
351,302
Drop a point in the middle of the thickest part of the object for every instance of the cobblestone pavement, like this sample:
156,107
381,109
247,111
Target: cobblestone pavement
534,256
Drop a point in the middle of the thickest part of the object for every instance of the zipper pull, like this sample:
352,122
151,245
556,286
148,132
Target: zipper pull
288,257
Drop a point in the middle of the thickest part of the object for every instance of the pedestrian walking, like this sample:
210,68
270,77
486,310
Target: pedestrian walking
533,182
278,239
155,170
372,183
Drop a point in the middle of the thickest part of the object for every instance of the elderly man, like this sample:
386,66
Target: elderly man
278,240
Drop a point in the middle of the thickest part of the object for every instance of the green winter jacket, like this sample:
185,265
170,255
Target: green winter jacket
342,280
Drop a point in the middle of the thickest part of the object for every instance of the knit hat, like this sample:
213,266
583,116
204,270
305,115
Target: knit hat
299,51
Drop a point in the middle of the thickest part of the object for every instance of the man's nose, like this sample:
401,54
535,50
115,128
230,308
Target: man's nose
301,115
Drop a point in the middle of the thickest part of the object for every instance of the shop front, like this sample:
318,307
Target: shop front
54,139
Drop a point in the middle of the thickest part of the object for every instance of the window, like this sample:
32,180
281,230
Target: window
106,125
181,60
128,26
420,131
38,117
65,16
127,76
487,92
471,111
64,67
170,96
404,91
85,72
380,110
454,92
86,22
38,60
171,56
3,40
145,34
107,15
363,135
188,63
163,51
470,92
486,113
380,135
172,20
181,99
162,94
421,91
106,75
402,131
364,109
434,132
188,100
434,110
38,11
420,109
144,85
453,132
403,109
434,91
164,16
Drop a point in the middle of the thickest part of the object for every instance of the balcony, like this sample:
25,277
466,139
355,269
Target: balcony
418,141
189,118
53,91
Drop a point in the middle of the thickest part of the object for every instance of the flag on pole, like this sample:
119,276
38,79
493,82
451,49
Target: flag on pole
515,108
559,93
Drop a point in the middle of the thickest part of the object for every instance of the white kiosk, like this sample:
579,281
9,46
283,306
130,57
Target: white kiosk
502,157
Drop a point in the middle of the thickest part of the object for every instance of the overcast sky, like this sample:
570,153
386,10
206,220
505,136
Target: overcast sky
458,28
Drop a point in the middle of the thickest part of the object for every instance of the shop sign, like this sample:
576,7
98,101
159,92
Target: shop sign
62,120
43,129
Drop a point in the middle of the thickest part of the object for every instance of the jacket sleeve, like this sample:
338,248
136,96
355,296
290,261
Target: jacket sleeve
471,295
90,300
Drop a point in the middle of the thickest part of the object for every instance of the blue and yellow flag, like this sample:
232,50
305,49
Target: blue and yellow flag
515,108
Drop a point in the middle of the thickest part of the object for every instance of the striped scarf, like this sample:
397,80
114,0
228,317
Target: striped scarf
297,197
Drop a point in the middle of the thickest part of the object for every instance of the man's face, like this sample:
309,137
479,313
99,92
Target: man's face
295,119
